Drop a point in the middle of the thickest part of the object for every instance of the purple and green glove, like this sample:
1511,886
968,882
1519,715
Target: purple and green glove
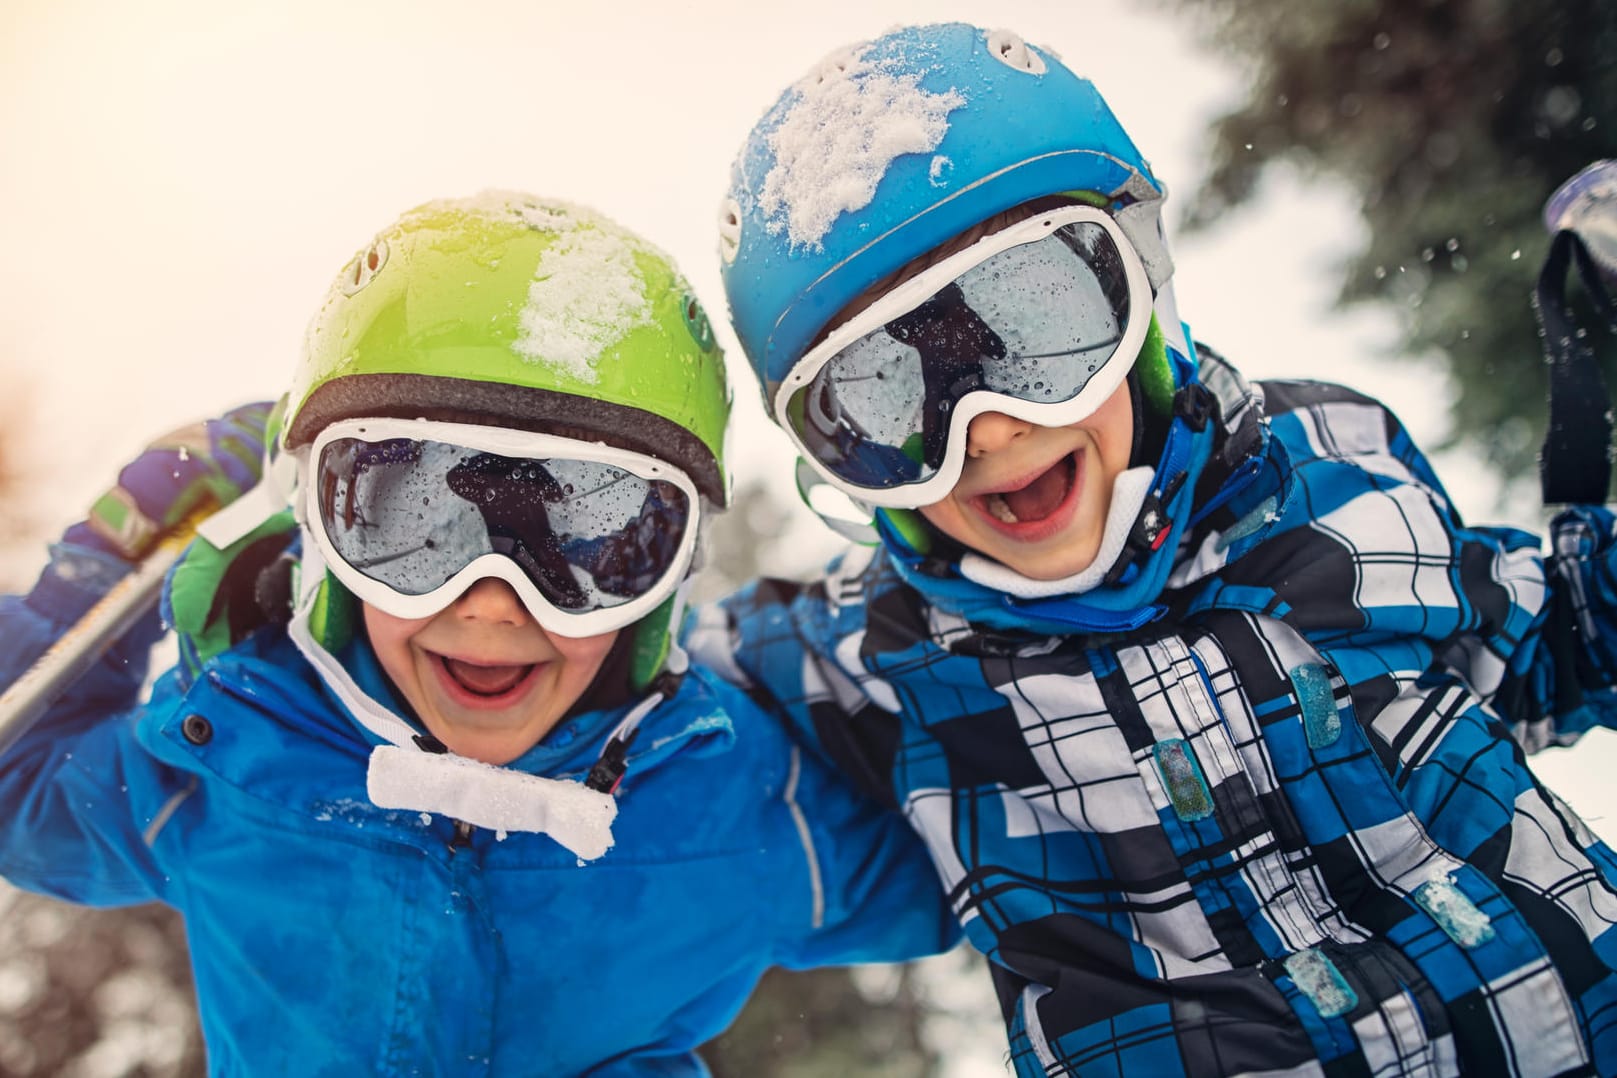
206,464
217,460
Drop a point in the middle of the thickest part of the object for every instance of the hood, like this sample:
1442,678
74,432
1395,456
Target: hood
1221,485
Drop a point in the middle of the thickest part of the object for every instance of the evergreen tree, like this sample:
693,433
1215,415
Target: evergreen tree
1453,120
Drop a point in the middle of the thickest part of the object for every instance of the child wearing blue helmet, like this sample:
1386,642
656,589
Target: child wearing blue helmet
1210,708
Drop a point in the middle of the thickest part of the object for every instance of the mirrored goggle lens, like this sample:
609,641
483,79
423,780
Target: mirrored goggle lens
411,514
1034,322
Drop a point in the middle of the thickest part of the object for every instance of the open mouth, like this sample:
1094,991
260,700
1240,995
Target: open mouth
1035,502
487,681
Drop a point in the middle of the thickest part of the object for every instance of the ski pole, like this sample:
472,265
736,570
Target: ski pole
65,661
1575,461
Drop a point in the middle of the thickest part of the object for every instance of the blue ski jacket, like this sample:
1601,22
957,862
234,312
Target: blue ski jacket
1259,805
331,937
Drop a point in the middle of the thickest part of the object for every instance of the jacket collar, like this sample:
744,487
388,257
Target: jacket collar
277,733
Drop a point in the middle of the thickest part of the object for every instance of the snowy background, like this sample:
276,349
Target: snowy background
179,180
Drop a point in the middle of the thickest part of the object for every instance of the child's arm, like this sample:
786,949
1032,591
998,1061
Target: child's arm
881,897
883,900
768,638
1563,685
69,787
177,473
1378,571
867,890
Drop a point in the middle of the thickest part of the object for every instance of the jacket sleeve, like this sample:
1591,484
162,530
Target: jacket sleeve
878,897
776,639
71,582
69,786
1377,568
1562,685
873,891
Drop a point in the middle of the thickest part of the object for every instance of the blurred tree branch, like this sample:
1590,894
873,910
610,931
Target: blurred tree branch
1453,120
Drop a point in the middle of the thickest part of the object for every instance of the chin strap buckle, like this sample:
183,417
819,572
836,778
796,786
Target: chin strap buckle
1151,529
610,766
612,763
1195,405
428,743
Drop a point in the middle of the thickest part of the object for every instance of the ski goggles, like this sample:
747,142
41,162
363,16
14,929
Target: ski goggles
409,513
1040,321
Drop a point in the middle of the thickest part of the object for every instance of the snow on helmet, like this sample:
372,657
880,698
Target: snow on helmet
509,310
891,147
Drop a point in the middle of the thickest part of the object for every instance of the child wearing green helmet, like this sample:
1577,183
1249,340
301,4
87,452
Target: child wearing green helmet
1211,708
432,783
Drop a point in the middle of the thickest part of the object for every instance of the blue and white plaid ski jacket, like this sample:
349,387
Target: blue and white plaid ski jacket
1284,823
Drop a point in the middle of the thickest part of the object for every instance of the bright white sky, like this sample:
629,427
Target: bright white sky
180,179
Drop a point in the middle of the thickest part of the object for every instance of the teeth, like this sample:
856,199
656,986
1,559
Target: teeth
1001,509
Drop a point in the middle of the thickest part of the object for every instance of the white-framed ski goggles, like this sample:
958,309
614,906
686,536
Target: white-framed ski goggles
1041,321
409,513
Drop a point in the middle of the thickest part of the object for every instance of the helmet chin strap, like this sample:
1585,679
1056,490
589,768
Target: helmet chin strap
306,634
1166,308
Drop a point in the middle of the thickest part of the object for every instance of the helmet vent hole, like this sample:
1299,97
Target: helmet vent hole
365,265
729,229
1009,49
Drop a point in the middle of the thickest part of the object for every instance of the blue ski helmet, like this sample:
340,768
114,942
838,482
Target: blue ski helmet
891,147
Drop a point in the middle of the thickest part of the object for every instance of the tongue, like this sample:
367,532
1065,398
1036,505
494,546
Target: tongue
486,680
1040,498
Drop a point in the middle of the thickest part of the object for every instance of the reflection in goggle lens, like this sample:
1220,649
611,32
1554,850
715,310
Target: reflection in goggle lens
411,514
1035,322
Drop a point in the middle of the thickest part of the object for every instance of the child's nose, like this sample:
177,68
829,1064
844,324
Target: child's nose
491,599
993,431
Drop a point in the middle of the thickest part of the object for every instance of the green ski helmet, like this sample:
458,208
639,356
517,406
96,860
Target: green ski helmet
507,310
510,310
